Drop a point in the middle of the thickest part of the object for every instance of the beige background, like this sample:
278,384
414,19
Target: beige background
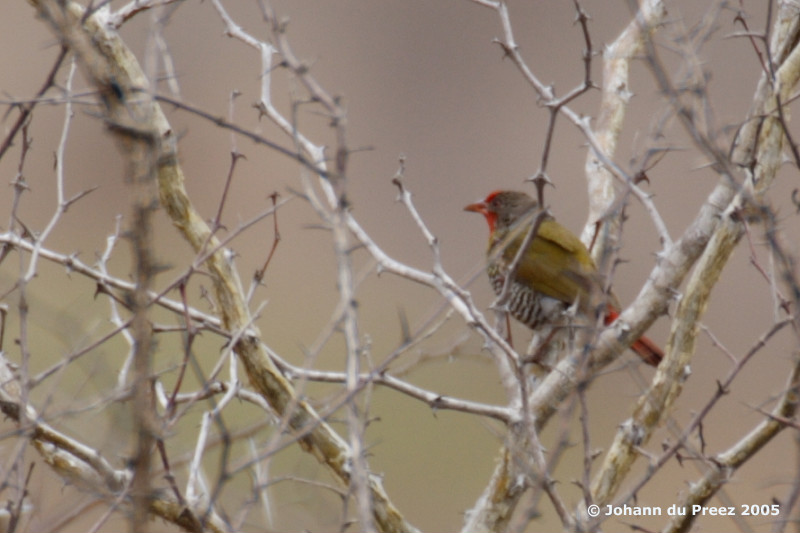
421,79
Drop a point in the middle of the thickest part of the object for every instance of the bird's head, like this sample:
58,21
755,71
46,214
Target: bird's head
503,209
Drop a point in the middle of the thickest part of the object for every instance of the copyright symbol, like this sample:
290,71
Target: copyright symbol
593,510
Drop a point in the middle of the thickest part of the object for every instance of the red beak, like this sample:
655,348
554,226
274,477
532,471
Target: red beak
483,209
477,207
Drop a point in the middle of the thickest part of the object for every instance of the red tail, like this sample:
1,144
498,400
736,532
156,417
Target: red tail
644,347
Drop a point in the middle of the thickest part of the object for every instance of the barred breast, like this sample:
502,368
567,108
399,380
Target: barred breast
525,304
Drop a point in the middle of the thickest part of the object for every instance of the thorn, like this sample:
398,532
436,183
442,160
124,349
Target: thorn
640,177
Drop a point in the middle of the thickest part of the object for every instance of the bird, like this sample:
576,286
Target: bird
555,273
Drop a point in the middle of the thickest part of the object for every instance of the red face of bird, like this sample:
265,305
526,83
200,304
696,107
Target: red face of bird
503,208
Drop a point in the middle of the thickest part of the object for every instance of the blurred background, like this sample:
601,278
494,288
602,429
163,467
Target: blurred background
425,80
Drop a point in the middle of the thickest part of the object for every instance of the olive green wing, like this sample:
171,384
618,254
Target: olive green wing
557,264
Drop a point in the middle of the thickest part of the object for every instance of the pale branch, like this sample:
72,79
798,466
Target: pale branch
404,197
62,203
359,472
121,325
616,94
133,8
434,400
554,105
